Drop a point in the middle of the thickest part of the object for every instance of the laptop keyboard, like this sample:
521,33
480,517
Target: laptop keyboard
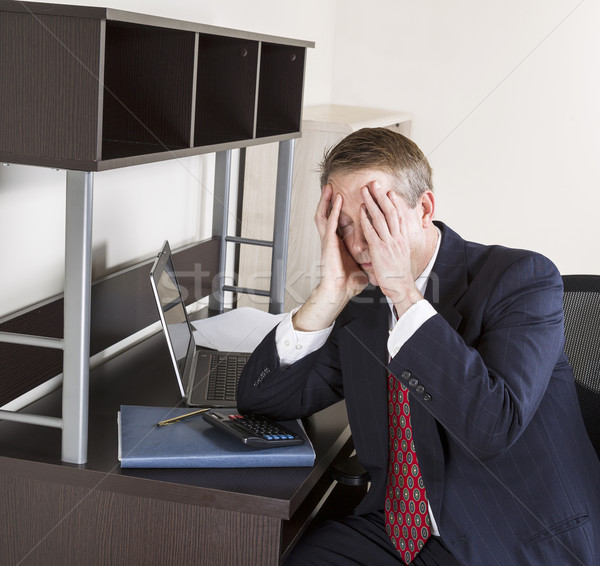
224,376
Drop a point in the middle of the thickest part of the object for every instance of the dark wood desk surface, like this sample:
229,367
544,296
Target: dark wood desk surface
53,510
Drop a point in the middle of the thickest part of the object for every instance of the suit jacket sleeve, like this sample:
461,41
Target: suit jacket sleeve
485,384
296,391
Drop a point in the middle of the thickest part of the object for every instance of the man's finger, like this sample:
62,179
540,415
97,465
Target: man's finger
368,229
377,217
322,212
386,205
334,215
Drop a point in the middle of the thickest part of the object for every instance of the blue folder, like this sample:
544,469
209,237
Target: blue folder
194,443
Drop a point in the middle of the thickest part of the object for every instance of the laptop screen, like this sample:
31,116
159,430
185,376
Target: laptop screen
173,314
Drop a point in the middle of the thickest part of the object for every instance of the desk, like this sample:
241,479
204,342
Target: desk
55,513
78,93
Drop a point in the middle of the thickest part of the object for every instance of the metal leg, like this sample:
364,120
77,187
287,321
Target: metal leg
281,228
78,260
238,221
220,217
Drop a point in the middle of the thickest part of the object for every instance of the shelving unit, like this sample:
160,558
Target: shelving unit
92,89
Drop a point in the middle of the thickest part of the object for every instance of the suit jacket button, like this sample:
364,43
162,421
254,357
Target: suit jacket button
426,397
413,382
420,389
405,374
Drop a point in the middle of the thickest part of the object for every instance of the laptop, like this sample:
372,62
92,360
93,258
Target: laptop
206,378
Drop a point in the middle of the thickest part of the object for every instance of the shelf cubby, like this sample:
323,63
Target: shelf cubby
225,89
280,90
148,90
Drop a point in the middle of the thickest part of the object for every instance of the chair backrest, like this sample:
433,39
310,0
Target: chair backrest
581,302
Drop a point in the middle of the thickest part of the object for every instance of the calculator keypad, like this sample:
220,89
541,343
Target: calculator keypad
262,428
254,430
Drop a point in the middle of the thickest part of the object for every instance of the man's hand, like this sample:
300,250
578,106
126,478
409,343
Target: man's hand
340,274
387,234
341,277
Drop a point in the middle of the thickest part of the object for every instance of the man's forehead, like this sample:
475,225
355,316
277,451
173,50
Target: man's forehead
356,179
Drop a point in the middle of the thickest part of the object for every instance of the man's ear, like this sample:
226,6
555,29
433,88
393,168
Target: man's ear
427,204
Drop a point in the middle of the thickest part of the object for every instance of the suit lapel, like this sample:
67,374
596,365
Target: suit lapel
447,284
448,280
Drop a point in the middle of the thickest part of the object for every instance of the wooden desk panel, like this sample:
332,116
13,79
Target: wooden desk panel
121,305
58,513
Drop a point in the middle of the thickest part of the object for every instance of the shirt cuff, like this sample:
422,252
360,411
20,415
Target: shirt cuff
408,324
293,345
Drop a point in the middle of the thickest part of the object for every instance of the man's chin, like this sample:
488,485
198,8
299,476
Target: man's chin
371,277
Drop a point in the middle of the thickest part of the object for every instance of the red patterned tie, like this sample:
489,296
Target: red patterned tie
406,517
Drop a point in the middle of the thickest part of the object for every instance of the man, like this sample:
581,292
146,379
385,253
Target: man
449,355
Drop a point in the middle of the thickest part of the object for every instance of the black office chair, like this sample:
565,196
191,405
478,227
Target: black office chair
581,302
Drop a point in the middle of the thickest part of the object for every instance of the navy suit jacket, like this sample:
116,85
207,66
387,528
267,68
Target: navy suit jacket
509,471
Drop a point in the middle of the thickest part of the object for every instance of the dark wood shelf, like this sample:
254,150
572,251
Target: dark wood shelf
118,149
141,88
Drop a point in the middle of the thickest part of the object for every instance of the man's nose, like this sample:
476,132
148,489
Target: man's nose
358,243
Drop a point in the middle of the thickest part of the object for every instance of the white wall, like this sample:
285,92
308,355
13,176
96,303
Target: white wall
505,103
129,202
505,97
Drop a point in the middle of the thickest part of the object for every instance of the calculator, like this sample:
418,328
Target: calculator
254,430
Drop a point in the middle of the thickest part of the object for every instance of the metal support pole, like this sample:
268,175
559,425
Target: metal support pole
219,227
281,228
78,260
237,249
